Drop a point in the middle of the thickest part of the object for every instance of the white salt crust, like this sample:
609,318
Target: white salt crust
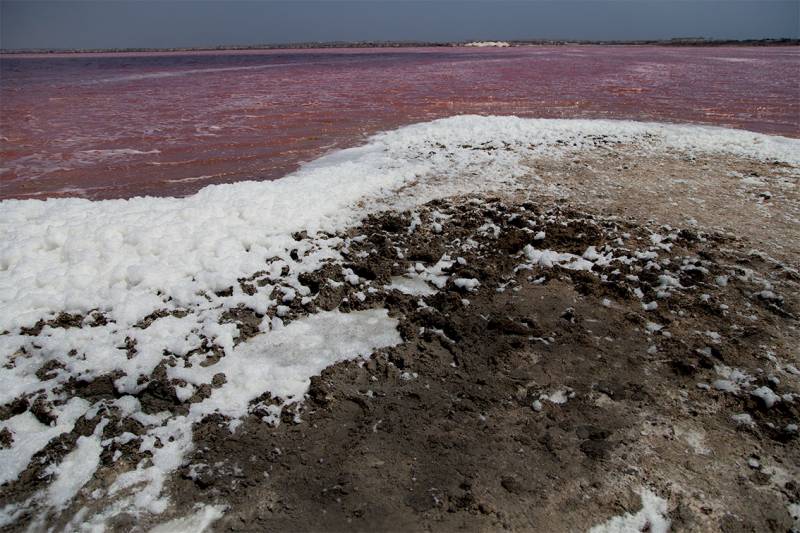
126,259
651,517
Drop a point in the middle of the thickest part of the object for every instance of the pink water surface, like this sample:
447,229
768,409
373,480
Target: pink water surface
122,125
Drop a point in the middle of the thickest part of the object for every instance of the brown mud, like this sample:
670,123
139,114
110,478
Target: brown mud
443,432
543,399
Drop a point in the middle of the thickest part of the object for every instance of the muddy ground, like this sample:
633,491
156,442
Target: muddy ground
444,432
543,398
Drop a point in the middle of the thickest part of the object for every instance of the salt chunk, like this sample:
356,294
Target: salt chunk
725,385
469,284
743,419
288,294
767,396
652,327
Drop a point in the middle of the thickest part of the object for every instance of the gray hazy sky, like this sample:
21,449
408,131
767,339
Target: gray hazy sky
187,23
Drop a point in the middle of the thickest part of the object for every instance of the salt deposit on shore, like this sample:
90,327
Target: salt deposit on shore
209,296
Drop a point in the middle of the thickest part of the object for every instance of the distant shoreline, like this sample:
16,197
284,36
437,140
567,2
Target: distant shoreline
415,44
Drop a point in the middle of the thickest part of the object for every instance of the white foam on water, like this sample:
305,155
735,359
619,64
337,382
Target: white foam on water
190,72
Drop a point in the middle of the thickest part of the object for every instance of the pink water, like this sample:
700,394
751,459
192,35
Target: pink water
122,125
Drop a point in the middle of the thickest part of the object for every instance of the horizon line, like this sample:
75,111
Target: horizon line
674,41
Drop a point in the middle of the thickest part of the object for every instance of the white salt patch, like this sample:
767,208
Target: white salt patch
558,397
779,476
435,275
75,470
551,258
185,392
29,436
415,222
468,284
725,385
743,419
11,512
767,396
283,362
199,522
652,327
733,379
411,285
288,294
695,439
794,512
273,416
95,155
651,517
489,229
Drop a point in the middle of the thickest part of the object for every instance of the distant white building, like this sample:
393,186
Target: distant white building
487,44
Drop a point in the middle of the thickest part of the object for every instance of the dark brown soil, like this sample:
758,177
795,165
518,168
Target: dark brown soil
457,428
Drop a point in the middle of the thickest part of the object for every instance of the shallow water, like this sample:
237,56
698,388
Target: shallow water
122,125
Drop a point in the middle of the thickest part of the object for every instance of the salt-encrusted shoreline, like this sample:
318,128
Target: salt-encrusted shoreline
184,326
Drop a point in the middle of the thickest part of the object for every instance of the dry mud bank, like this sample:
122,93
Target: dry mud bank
555,364
544,397
610,341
